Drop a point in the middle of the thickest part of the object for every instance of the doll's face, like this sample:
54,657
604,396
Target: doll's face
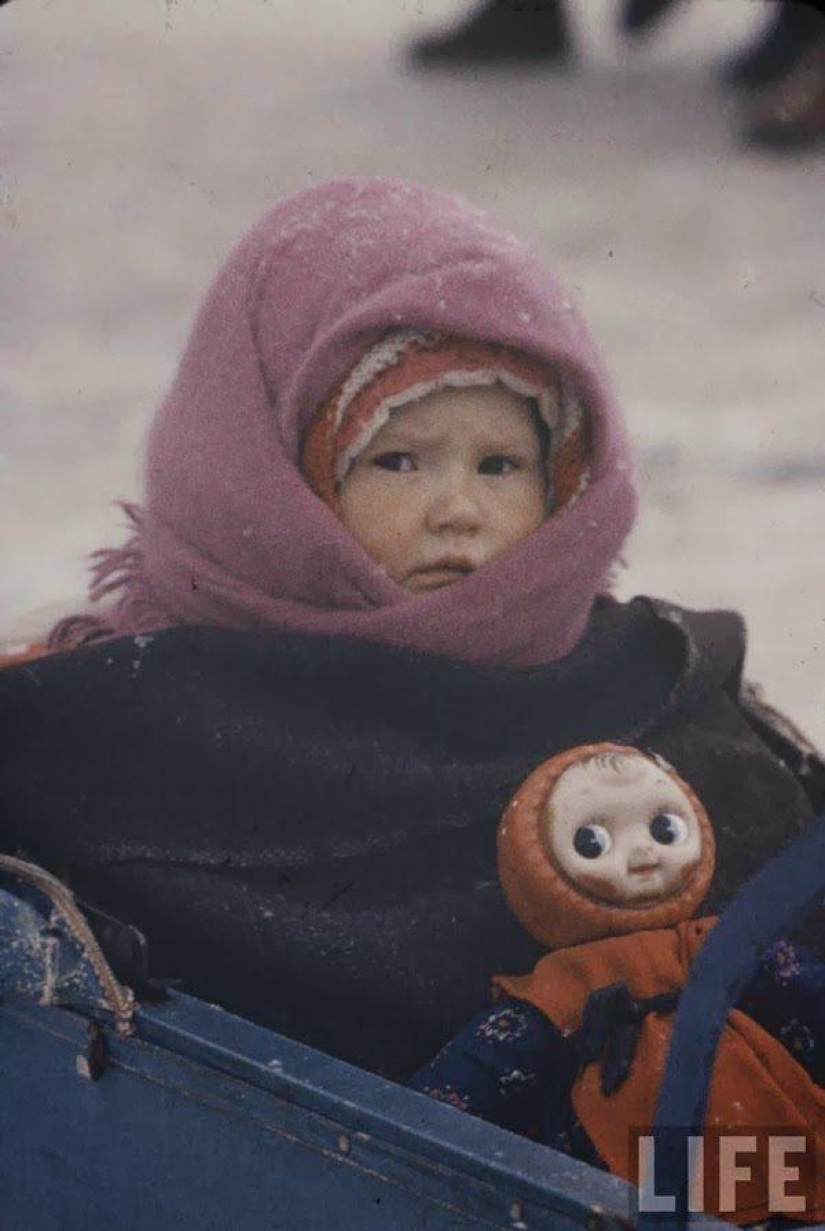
623,830
447,484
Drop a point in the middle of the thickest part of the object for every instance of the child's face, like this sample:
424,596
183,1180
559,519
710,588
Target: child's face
626,834
447,484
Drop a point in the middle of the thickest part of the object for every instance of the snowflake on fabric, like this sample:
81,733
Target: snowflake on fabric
514,1081
504,1025
797,1037
446,1094
785,962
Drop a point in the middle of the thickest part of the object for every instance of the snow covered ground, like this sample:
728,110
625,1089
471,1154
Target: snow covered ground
141,138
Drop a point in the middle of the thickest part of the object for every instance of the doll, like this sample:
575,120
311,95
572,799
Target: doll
604,855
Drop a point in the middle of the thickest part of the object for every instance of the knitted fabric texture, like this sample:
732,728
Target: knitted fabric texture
408,365
230,532
551,907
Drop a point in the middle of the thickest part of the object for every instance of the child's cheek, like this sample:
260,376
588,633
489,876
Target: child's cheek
380,506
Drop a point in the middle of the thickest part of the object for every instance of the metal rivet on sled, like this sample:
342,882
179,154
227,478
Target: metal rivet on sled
517,1214
344,1144
94,1063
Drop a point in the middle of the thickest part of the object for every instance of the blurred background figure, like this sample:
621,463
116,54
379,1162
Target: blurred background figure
500,32
793,26
785,61
791,115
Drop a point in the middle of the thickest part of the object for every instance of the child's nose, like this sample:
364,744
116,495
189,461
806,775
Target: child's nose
453,506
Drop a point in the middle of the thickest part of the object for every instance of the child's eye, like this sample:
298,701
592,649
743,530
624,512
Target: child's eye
497,464
401,463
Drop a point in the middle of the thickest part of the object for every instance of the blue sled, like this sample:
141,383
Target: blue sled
177,1115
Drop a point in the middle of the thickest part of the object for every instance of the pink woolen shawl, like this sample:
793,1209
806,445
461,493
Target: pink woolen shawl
230,533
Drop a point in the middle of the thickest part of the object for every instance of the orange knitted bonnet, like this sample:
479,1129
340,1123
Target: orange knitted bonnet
407,365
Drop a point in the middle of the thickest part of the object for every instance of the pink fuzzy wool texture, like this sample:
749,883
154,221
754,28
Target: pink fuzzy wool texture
231,534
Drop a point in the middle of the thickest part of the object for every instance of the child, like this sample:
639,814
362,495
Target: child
366,591
604,856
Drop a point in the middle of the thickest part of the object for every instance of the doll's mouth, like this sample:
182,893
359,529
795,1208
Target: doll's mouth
644,871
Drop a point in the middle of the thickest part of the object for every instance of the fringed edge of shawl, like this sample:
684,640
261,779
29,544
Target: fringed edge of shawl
113,570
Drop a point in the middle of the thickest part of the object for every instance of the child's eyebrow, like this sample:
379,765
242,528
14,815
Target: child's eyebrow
399,438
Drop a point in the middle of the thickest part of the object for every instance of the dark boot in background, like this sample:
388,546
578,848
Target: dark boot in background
500,32
794,27
791,115
636,15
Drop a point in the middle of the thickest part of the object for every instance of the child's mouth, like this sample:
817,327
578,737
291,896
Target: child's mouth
440,573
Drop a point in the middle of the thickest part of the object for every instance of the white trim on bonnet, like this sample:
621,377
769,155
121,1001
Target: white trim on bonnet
562,419
572,410
385,354
455,379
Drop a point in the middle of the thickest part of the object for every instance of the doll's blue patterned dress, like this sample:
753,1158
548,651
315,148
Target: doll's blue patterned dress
511,1065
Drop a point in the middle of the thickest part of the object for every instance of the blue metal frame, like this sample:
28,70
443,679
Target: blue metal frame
769,906
202,1120
180,1115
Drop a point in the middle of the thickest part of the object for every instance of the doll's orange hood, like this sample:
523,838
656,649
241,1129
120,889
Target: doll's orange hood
553,909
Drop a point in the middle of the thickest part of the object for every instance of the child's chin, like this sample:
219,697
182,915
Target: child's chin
421,582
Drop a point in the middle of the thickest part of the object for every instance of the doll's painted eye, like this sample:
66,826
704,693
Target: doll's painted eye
590,841
668,829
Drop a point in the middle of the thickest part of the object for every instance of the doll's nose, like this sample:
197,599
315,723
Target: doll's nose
642,855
